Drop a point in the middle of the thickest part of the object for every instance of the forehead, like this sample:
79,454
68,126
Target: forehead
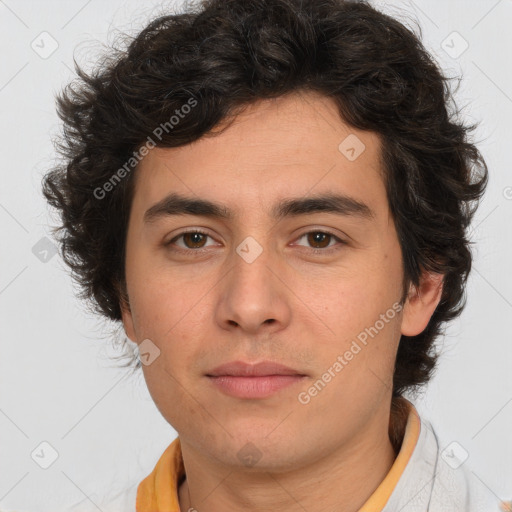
295,145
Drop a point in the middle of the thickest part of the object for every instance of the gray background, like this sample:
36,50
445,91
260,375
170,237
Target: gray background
57,383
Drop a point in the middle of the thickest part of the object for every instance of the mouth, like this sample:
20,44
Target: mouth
253,381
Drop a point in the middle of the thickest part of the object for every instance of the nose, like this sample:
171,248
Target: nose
254,296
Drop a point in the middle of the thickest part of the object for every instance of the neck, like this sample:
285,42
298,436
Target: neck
343,480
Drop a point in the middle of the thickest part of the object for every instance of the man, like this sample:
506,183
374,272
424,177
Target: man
272,197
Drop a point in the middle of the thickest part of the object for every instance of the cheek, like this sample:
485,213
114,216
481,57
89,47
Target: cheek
360,316
352,302
172,395
161,302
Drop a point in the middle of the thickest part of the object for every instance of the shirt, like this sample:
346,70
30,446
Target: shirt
423,478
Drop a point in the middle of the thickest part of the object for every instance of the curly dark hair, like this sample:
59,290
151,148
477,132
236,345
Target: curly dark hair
226,54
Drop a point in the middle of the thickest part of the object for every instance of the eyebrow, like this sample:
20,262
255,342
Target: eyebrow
176,204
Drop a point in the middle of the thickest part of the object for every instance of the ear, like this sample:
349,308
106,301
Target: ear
126,313
127,317
421,303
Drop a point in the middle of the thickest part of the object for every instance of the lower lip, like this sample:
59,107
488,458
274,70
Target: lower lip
254,387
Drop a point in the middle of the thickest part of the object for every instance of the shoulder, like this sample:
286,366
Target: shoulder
437,477
123,500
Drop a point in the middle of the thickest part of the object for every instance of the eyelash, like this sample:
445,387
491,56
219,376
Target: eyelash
311,250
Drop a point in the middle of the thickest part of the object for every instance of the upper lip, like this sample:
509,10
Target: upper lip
242,369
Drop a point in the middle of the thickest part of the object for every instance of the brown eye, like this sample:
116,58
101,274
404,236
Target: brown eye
189,240
194,240
318,239
322,242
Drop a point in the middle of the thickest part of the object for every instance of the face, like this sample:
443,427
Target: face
313,285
